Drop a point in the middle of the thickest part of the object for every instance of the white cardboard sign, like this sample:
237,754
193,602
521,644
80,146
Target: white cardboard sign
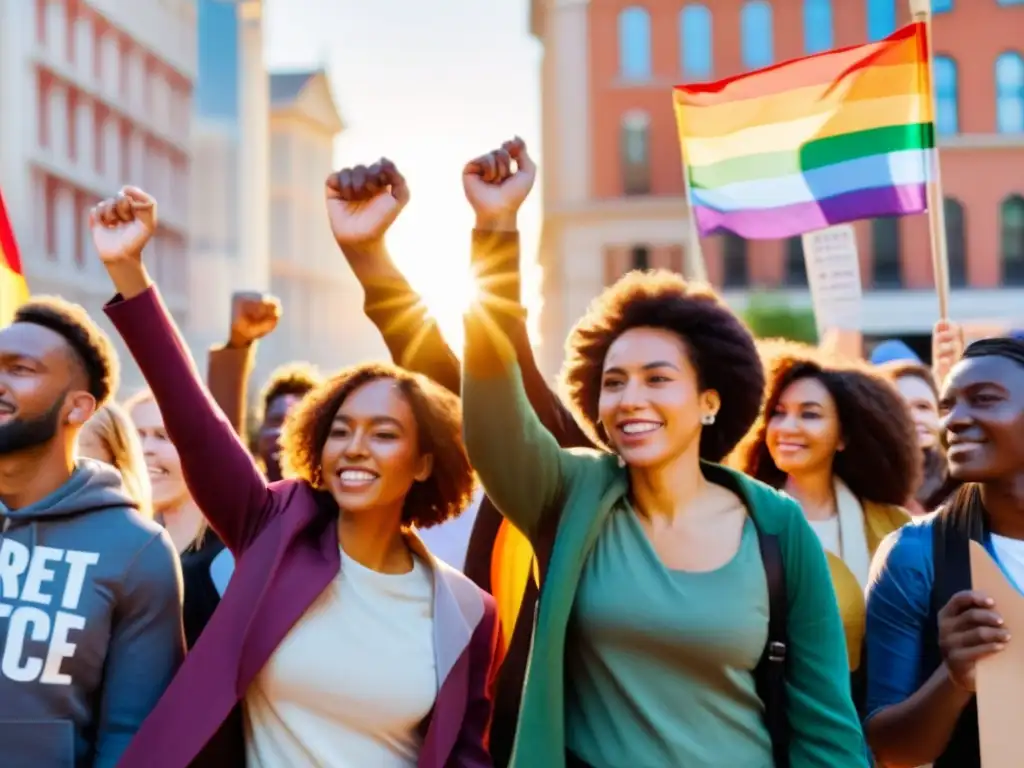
833,275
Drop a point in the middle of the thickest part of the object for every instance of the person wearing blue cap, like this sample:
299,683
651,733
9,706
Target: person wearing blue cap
893,350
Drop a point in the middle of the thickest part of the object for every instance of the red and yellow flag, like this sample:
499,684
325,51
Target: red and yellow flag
13,288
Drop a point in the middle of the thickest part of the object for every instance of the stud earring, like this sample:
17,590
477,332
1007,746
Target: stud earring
707,419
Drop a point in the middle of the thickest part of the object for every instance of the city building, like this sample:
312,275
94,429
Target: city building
230,211
612,182
323,321
95,94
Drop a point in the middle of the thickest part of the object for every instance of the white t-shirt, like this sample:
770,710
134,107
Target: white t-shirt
828,534
1010,553
351,683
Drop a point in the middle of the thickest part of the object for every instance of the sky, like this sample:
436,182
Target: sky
430,84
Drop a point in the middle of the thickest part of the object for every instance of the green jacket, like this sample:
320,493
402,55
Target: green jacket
529,477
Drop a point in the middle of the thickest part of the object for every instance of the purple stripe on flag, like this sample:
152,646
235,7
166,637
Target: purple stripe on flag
796,219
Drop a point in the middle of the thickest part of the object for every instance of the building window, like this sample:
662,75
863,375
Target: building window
796,264
756,35
1010,93
635,44
881,18
818,31
956,242
636,154
885,239
734,261
947,107
942,6
1011,224
695,42
640,257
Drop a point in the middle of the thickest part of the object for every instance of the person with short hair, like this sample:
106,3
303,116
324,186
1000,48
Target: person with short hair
90,589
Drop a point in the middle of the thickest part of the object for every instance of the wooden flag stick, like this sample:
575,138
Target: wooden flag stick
922,12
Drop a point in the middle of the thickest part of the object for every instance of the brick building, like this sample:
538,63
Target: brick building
613,190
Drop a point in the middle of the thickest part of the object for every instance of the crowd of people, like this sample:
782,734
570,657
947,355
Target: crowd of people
726,551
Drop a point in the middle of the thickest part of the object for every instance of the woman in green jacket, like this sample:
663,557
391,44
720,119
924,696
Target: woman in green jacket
654,608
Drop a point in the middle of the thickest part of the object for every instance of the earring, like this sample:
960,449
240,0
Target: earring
622,461
707,419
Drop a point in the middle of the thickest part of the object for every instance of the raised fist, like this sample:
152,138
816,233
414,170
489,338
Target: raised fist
362,202
253,316
122,225
493,187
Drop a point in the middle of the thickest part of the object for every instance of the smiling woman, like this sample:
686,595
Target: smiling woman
651,552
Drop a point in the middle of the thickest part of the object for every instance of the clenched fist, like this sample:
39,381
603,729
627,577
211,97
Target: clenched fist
497,183
122,225
253,316
362,202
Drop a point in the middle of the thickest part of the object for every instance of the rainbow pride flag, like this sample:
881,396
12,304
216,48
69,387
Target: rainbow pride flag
13,288
799,146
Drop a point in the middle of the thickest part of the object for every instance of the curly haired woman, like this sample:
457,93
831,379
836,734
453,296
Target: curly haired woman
839,439
654,610
345,640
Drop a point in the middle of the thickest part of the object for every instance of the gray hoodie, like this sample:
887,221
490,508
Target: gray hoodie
90,621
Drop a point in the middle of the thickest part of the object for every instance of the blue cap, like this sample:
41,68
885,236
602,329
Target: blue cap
892,350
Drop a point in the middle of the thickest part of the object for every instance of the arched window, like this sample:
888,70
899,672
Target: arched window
881,18
885,241
734,261
818,30
1010,93
796,265
756,35
635,153
696,50
956,242
635,44
1011,225
947,102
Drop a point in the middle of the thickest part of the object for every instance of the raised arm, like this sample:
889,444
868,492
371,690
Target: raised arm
228,367
363,203
217,467
519,461
496,196
147,645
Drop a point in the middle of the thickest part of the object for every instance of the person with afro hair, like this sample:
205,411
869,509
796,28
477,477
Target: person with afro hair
654,610
837,437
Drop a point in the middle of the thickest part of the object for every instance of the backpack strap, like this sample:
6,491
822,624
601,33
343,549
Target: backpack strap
952,529
770,673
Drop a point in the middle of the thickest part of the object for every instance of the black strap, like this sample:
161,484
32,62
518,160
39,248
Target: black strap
770,673
951,564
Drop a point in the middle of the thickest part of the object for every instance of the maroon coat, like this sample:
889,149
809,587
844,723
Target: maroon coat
285,541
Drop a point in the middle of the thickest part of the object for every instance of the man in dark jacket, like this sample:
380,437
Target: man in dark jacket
90,591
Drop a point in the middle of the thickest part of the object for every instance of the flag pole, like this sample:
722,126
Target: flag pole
693,257
921,11
694,266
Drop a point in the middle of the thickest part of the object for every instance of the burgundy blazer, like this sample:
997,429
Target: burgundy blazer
285,540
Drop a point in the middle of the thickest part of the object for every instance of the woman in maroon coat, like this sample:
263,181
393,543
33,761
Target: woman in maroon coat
342,637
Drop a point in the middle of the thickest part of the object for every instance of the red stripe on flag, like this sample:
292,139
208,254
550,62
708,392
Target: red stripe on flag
8,244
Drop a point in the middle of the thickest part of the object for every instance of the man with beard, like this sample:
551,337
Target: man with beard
90,592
